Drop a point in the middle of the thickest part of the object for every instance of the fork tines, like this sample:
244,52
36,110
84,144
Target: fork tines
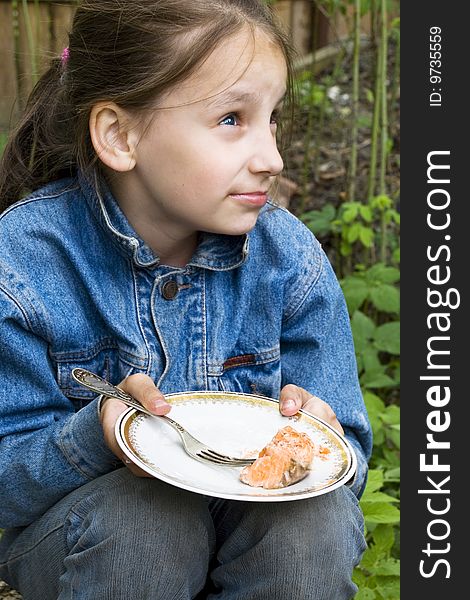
222,459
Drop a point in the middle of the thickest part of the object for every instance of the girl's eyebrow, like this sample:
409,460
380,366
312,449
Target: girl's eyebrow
233,97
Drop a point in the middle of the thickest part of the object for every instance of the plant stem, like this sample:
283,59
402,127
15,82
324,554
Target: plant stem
31,44
383,94
384,126
355,103
375,123
16,52
373,22
396,69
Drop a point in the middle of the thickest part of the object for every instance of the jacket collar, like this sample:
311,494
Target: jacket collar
215,252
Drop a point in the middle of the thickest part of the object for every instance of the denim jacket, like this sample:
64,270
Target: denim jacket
79,288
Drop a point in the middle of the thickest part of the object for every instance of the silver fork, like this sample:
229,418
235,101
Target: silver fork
193,446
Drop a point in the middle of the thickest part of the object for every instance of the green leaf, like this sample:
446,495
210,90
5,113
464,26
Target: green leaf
378,432
388,566
375,479
384,538
370,360
353,232
366,213
387,337
365,594
320,221
381,202
359,578
392,475
366,236
375,408
392,215
362,326
378,497
388,587
360,366
355,290
383,274
380,512
374,403
370,557
386,298
391,415
392,457
350,211
376,380
395,437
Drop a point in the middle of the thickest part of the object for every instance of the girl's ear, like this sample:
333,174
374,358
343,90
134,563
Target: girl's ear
113,136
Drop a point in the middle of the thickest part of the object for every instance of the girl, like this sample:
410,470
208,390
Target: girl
148,252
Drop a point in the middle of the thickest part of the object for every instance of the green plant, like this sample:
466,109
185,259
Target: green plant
360,232
356,227
372,296
378,574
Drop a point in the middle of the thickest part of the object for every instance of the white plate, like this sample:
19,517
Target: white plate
235,424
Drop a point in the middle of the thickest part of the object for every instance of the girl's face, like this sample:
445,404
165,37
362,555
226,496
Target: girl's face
209,155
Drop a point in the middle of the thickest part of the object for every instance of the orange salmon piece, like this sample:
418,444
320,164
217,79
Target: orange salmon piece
284,461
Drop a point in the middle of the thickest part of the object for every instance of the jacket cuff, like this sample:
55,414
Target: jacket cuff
82,442
358,482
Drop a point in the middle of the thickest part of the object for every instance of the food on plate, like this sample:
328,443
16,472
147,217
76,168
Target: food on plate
284,461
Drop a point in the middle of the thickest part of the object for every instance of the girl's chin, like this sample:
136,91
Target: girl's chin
232,223
238,230
241,225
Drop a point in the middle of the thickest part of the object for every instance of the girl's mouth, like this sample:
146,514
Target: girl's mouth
251,198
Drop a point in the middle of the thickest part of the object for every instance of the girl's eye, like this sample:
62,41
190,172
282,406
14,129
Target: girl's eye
275,117
231,120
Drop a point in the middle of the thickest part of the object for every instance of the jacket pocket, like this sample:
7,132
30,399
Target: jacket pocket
105,359
249,372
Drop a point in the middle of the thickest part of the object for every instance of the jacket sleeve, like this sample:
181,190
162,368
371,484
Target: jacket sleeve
46,449
317,351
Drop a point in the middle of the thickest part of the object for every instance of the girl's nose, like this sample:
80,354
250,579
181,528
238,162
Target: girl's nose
266,158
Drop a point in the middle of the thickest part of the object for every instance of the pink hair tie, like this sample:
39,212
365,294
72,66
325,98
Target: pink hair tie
64,57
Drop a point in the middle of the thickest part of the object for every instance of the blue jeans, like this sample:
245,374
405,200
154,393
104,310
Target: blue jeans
121,537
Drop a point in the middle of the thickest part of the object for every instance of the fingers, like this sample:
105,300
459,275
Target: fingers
145,391
293,398
110,412
142,388
321,409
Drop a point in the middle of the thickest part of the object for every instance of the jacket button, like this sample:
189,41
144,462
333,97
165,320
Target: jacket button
170,289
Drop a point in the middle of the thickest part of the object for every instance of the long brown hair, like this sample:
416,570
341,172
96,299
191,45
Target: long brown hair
126,51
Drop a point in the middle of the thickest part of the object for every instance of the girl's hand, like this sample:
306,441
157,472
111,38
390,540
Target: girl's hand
293,398
143,389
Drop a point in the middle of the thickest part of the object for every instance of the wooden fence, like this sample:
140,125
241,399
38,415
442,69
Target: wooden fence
24,49
26,45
